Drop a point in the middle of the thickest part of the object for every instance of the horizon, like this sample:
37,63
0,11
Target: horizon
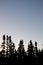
22,20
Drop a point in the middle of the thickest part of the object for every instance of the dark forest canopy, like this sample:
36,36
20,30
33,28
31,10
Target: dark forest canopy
9,52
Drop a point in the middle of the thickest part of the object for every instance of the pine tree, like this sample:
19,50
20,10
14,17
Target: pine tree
7,48
31,52
12,49
28,50
10,46
21,50
3,46
36,50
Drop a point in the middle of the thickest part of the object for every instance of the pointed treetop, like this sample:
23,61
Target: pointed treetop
4,37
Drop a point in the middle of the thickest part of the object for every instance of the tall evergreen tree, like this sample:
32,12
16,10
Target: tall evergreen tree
7,48
31,52
36,49
21,50
3,46
12,49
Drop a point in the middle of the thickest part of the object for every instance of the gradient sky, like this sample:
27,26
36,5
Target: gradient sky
22,19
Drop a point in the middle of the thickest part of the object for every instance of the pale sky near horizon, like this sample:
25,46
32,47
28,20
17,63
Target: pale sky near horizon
22,19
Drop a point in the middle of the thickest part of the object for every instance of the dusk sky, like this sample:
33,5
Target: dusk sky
22,19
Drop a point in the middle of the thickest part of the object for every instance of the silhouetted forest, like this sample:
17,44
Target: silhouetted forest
9,55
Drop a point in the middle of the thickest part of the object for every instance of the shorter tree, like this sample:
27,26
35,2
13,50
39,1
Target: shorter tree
21,50
30,49
36,50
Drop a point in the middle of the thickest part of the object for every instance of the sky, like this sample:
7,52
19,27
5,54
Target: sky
22,19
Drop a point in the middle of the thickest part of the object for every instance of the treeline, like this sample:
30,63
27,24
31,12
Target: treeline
9,54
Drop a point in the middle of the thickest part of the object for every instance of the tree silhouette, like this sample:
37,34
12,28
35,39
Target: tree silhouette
30,53
36,50
28,50
8,54
10,46
3,46
21,50
12,49
7,48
